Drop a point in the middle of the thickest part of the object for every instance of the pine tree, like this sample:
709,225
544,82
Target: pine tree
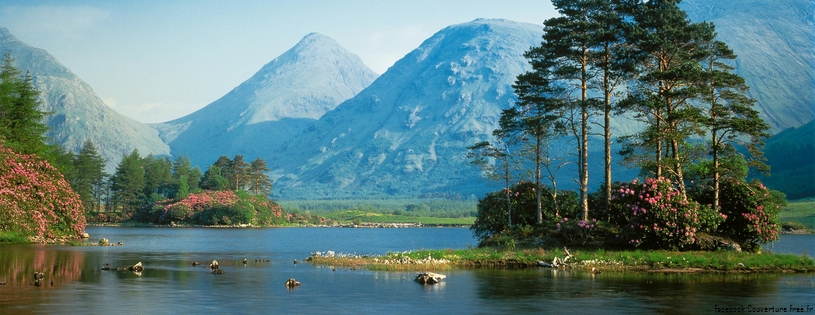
533,115
88,175
670,51
213,180
127,184
260,183
730,116
21,122
238,176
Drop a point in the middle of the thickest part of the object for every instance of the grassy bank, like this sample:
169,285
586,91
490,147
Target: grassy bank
13,238
357,217
801,211
633,260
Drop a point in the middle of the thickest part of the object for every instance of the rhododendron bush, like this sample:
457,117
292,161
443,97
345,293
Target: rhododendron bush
751,212
653,214
214,208
35,198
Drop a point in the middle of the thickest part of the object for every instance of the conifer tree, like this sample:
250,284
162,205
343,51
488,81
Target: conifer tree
532,116
127,184
21,122
729,114
670,51
213,180
259,181
238,176
88,176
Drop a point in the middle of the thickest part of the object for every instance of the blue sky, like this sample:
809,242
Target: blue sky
159,60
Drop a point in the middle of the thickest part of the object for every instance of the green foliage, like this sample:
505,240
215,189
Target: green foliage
21,121
213,180
128,182
751,212
492,212
88,176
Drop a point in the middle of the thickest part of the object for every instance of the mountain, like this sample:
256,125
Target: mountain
792,162
77,113
280,100
775,44
408,131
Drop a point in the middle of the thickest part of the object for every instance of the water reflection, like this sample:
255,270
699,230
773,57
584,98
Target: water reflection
18,265
171,284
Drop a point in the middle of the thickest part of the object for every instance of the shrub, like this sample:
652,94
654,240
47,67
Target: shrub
492,209
35,199
751,212
654,215
576,232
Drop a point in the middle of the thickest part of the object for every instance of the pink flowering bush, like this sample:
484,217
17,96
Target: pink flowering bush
211,207
653,214
751,212
35,198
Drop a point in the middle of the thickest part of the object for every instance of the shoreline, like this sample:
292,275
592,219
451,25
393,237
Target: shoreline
592,260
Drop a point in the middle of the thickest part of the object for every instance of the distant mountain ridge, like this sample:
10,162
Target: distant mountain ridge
77,113
277,102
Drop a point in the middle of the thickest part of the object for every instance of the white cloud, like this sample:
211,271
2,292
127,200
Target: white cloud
68,22
387,45
110,102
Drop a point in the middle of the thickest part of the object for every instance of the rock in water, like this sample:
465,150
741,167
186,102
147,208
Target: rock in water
292,283
429,278
214,265
136,268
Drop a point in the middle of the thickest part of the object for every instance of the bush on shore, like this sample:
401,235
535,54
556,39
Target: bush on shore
35,199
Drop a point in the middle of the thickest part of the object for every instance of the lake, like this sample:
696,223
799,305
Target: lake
75,282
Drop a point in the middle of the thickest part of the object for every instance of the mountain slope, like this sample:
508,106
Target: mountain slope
77,112
408,131
277,102
775,44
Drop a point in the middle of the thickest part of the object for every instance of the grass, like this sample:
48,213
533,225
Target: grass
357,216
13,238
624,260
801,211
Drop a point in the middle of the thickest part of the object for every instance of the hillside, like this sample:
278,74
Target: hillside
76,112
775,44
791,156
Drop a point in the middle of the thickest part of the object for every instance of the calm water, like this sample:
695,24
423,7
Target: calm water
75,283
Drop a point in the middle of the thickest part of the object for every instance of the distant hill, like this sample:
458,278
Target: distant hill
791,156
77,113
280,100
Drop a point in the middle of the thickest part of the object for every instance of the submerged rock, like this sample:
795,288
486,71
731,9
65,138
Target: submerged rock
136,268
292,283
429,278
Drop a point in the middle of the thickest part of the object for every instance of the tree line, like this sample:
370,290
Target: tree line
137,181
632,58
